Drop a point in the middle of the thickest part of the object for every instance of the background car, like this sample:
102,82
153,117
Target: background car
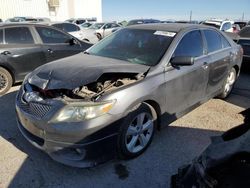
80,21
241,24
86,25
70,28
244,41
236,28
142,21
106,30
223,25
24,47
109,101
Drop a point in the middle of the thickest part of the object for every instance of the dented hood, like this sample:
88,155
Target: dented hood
79,70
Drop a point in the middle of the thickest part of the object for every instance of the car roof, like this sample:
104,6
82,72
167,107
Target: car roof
174,27
24,24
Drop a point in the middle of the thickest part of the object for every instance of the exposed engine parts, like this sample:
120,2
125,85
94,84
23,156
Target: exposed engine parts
91,91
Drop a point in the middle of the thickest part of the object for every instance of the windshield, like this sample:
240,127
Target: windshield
212,24
96,26
135,46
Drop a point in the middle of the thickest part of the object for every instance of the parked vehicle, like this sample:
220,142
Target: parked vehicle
142,21
241,24
236,28
106,30
24,47
70,28
85,109
223,25
244,41
86,25
80,21
21,19
98,31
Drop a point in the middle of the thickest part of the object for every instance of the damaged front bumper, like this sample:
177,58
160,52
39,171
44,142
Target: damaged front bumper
81,144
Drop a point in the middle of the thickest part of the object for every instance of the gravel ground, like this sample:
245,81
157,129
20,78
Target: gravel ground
22,165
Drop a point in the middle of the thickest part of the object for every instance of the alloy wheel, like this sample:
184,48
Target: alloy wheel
139,132
230,81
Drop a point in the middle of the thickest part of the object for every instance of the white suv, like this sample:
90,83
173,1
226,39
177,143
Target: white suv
223,25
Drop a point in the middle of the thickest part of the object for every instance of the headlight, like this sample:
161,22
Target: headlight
77,112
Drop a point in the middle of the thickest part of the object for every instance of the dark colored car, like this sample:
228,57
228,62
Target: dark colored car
142,21
24,47
244,41
241,24
86,109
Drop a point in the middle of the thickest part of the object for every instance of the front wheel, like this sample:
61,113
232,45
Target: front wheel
228,84
137,131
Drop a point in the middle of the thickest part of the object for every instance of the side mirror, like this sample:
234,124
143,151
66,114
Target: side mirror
182,61
72,42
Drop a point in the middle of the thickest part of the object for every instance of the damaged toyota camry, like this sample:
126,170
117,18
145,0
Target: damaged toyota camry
109,100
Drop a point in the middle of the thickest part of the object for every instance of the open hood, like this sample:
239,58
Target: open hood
79,70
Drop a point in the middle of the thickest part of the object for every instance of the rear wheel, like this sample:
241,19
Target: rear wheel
229,83
137,131
6,81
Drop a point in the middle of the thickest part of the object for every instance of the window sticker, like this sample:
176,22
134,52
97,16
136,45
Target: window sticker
165,33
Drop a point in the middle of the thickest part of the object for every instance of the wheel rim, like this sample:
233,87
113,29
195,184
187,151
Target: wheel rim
230,81
139,132
3,82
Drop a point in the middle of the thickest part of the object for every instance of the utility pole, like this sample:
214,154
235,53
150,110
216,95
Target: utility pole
243,15
190,18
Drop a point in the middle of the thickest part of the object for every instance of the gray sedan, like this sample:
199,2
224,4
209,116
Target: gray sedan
109,101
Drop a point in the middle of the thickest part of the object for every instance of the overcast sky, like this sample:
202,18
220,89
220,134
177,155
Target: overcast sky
175,9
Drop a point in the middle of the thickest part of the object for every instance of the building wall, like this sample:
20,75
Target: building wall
40,8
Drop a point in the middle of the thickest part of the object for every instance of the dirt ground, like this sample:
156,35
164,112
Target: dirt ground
22,165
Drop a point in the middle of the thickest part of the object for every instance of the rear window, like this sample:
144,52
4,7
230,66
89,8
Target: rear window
213,40
1,36
18,35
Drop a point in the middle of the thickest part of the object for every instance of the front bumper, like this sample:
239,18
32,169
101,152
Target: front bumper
83,144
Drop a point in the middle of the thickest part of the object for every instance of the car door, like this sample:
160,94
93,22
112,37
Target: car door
186,85
57,44
20,51
219,50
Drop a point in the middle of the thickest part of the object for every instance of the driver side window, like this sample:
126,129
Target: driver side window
191,45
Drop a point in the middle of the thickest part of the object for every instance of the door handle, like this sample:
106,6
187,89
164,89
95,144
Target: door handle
205,65
50,51
5,53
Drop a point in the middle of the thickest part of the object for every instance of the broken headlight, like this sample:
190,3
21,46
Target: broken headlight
77,112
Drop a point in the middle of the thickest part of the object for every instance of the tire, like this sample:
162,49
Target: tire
134,138
99,36
228,84
6,81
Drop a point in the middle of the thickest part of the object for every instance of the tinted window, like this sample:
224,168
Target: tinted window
49,35
225,42
190,45
1,36
107,26
80,21
245,32
134,46
18,35
213,40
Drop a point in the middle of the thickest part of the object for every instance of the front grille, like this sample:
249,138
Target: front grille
36,109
